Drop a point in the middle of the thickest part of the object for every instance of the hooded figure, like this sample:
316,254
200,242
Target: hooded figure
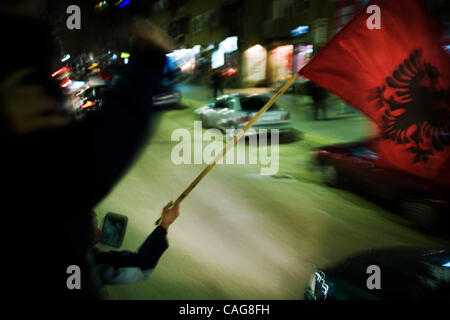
56,169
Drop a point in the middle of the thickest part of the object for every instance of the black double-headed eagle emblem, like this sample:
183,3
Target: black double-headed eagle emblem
415,110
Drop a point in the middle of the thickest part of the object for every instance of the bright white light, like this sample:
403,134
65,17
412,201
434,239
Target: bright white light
255,66
126,60
185,53
255,49
65,58
184,58
447,265
299,31
188,65
76,85
320,278
179,53
196,49
217,59
210,47
228,45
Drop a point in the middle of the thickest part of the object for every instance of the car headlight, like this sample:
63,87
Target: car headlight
318,286
312,284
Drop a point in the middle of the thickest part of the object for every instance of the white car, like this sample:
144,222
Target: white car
234,111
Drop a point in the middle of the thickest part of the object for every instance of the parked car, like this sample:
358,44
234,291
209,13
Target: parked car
356,166
234,111
92,99
392,274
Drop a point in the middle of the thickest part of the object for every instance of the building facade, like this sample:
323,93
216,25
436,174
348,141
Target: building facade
273,38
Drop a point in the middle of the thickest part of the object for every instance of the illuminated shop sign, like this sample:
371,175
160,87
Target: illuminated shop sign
217,59
255,66
299,31
228,45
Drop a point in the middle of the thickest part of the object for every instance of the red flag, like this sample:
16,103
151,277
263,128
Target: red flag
399,77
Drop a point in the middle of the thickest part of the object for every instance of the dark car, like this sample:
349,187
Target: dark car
167,95
354,166
385,274
92,99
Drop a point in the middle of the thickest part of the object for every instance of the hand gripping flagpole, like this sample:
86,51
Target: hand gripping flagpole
232,142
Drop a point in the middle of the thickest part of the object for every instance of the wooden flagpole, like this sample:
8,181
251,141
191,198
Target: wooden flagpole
231,143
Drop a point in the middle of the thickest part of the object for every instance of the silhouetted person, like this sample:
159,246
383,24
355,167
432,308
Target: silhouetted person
55,169
217,82
319,96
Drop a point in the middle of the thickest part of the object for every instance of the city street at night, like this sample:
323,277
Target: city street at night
216,158
241,235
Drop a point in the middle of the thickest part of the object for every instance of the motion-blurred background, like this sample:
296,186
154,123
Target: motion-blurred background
242,235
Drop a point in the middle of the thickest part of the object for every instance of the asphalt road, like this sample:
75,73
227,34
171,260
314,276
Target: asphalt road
242,235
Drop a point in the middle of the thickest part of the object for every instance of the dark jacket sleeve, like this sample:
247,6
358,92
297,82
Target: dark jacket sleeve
145,258
153,248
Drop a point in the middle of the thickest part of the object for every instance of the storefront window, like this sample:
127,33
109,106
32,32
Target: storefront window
302,55
255,64
281,63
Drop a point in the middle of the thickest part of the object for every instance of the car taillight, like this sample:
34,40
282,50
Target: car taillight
287,117
88,104
61,71
66,83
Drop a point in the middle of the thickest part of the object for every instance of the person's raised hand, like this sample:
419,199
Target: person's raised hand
168,216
